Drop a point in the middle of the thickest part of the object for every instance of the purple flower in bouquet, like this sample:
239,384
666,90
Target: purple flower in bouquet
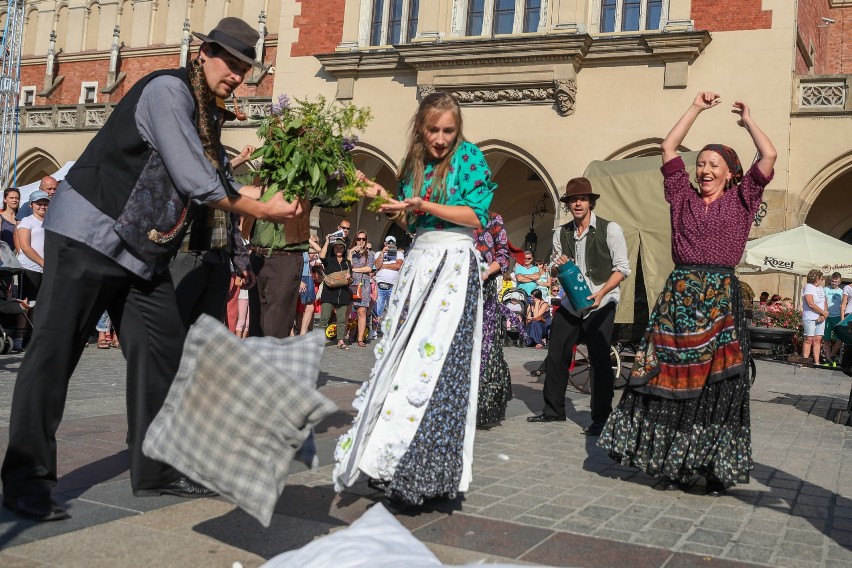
349,143
282,104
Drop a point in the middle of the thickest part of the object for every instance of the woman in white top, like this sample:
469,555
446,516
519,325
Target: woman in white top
814,312
31,242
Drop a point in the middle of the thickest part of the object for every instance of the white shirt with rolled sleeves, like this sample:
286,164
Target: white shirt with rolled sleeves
617,250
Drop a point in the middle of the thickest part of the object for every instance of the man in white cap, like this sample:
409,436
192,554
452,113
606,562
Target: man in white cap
387,265
116,220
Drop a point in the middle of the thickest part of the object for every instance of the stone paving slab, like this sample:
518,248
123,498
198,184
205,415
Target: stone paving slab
541,494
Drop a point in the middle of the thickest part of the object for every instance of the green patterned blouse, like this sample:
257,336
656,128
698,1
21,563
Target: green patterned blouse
468,183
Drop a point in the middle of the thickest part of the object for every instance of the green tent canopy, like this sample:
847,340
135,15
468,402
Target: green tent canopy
631,193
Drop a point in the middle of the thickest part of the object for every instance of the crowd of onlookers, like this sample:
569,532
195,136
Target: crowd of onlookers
823,308
350,312
21,229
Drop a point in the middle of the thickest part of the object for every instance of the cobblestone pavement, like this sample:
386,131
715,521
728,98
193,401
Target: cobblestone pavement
541,494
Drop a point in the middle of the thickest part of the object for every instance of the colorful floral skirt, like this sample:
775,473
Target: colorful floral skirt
685,411
495,382
417,414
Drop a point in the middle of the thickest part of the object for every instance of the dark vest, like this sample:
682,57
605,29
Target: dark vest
110,166
598,257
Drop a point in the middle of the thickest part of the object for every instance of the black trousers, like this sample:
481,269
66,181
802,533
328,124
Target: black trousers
201,287
565,332
272,303
79,284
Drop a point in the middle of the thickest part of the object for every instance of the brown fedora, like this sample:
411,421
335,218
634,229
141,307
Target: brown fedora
236,37
578,186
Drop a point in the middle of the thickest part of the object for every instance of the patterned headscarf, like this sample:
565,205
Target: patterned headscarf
731,159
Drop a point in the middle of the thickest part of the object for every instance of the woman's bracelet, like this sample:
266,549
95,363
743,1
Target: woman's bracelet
395,216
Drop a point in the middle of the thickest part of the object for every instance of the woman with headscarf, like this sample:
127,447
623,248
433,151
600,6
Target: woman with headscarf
685,411
495,381
413,435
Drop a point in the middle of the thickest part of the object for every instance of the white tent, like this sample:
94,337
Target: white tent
797,251
59,175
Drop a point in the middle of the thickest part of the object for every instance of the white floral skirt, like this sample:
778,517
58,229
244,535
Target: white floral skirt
417,414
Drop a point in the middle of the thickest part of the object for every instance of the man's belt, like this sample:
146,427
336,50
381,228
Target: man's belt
260,251
384,285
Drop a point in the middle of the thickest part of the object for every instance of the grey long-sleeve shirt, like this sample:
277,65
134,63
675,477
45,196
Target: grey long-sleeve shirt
164,119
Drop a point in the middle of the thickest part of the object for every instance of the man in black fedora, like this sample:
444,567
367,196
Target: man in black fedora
120,216
598,248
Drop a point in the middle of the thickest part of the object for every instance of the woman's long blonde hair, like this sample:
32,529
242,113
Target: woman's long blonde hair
413,166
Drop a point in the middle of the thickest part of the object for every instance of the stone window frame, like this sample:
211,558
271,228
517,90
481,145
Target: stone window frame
366,18
460,15
28,90
84,86
595,17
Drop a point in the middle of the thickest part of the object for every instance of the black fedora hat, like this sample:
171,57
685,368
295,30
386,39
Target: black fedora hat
578,186
236,37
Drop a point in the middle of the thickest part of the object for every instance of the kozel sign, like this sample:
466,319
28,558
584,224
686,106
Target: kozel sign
775,263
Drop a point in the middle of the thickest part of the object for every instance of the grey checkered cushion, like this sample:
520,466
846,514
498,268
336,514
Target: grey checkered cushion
238,411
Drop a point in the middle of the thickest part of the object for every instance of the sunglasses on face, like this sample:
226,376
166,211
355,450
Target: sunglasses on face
344,228
360,239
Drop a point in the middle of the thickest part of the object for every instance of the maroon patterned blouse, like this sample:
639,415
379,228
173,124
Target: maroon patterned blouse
714,233
492,242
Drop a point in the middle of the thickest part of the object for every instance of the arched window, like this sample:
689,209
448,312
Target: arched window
393,21
631,15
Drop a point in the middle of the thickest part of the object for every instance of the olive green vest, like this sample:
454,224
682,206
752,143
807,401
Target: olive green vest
598,257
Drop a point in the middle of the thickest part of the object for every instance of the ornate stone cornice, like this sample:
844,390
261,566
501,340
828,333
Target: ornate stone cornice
528,70
650,48
362,63
509,51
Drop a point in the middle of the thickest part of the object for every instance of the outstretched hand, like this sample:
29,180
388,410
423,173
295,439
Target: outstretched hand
372,189
742,109
706,99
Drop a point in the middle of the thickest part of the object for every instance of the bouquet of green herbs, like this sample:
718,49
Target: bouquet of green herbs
307,151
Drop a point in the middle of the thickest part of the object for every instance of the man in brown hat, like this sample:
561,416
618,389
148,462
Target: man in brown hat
597,247
119,216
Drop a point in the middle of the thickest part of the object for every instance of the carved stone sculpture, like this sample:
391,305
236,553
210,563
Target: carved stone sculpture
566,96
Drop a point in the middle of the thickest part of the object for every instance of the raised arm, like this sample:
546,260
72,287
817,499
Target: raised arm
676,135
764,146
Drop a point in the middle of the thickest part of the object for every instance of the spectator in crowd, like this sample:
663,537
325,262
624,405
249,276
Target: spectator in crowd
387,266
506,284
48,185
30,236
201,270
107,336
336,299
846,301
8,225
362,262
774,300
8,222
834,301
764,298
307,292
527,274
814,314
544,279
554,297
538,320
277,259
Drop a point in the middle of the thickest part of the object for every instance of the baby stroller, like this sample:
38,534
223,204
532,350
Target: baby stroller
514,303
9,309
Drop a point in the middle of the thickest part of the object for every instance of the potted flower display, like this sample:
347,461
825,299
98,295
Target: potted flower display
780,326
